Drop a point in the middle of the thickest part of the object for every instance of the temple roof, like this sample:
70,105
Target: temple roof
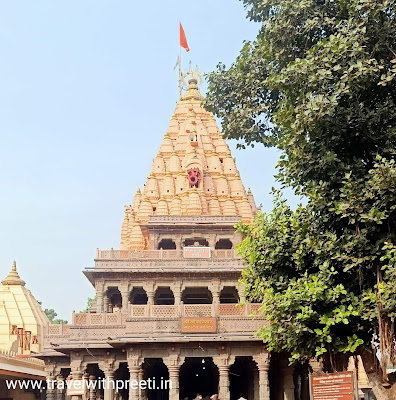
193,173
13,277
19,309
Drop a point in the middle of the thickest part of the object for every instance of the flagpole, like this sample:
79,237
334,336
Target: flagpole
180,74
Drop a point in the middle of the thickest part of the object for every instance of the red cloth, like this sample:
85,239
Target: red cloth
183,40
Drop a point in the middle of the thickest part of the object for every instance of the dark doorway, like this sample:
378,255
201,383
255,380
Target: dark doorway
138,296
115,298
242,378
122,374
301,382
197,295
156,370
229,295
93,369
198,375
167,244
223,244
196,242
164,296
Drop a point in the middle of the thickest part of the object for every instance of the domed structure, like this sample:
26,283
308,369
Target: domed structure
23,326
22,321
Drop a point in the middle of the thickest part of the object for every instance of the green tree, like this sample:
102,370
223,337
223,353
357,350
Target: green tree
90,302
51,314
319,83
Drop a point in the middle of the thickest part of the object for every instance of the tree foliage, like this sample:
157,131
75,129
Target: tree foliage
319,82
51,314
90,302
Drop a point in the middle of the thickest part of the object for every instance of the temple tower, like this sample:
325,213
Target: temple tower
169,303
193,174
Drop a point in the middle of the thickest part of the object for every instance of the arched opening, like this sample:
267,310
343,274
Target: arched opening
115,299
223,244
138,296
198,375
167,244
65,372
156,370
196,242
229,295
94,370
164,296
197,295
121,376
243,377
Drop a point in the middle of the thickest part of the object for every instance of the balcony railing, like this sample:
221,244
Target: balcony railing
157,254
161,311
145,321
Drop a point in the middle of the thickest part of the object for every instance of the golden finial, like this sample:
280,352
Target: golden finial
194,81
13,277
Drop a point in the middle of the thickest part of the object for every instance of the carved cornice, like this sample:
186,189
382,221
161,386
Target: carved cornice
191,220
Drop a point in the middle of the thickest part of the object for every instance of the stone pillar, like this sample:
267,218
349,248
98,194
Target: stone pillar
105,302
133,377
50,395
174,378
150,297
263,363
215,289
179,243
223,363
76,375
212,242
177,295
125,299
109,389
99,299
134,365
216,296
241,294
150,300
224,382
173,362
60,388
86,387
51,387
287,381
140,378
92,389
177,291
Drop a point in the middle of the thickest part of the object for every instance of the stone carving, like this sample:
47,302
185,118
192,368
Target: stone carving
194,177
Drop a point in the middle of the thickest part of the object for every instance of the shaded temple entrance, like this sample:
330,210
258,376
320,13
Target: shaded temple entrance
198,375
243,378
155,370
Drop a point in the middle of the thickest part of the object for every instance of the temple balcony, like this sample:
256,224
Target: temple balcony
186,253
196,259
157,322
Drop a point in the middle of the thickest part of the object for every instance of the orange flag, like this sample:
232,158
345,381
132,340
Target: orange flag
183,40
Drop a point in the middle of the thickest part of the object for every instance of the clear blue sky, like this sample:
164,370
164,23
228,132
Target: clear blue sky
87,89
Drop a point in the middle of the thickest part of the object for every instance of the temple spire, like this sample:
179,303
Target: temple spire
192,92
13,277
193,174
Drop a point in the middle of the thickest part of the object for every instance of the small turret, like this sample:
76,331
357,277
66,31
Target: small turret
13,277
